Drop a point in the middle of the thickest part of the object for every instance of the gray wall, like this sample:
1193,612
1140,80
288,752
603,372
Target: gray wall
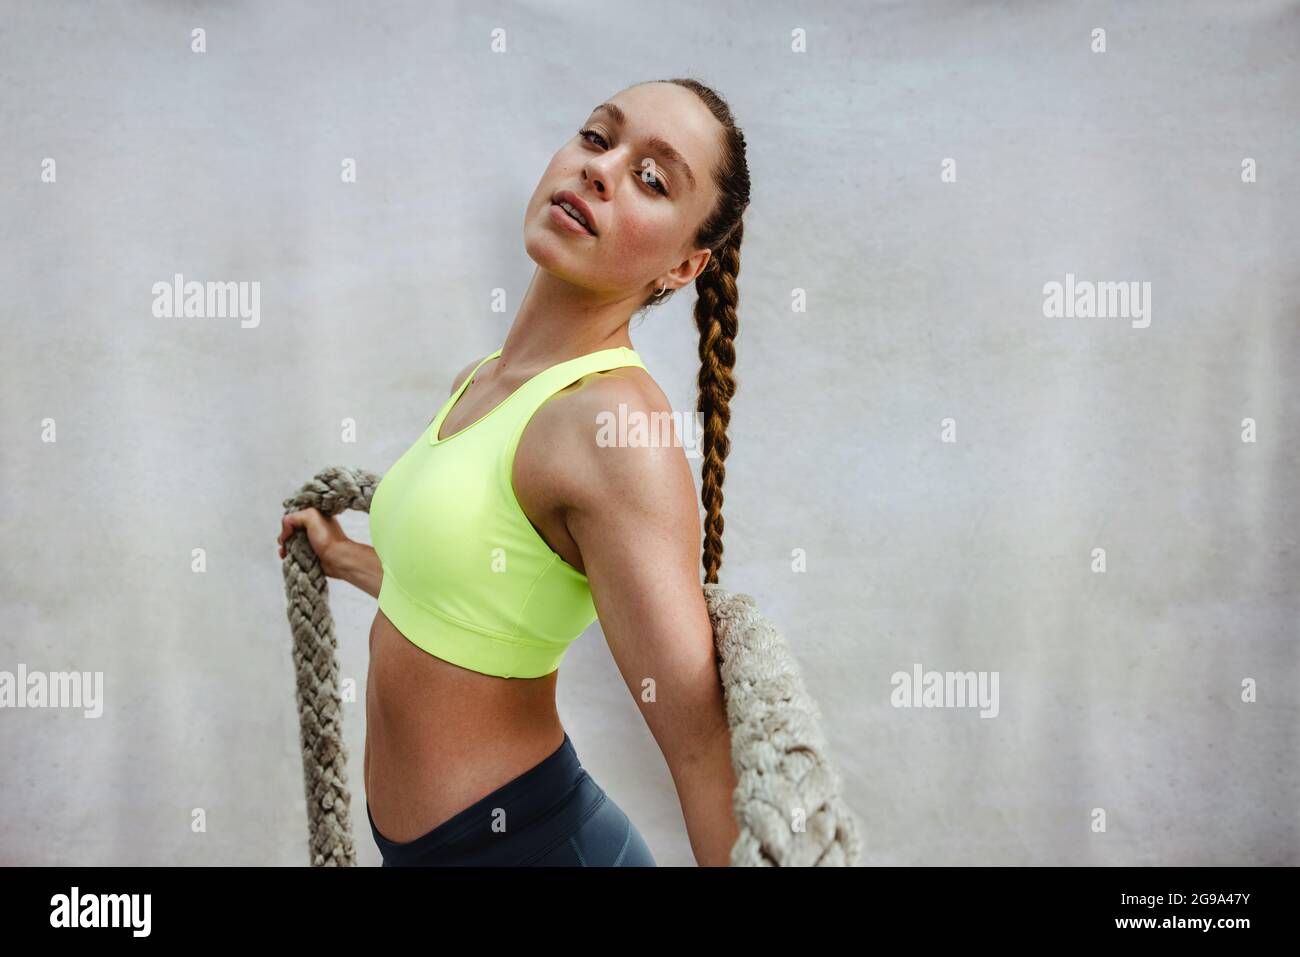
1120,691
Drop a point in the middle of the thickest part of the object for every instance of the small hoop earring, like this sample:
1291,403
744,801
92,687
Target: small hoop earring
661,291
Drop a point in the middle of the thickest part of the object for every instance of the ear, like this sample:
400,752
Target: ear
686,271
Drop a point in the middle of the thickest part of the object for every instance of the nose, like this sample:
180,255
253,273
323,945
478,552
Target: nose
599,171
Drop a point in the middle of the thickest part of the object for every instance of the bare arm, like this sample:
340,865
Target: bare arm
633,514
356,563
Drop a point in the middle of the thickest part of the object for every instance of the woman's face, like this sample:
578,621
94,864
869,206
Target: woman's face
645,207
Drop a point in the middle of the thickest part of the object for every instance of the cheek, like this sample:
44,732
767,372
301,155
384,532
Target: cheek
647,236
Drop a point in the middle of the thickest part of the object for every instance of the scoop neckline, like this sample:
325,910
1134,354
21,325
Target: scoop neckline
436,427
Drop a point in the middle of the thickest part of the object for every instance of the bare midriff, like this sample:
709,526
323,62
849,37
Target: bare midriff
440,737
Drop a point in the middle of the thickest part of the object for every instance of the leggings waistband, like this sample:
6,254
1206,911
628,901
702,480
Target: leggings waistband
519,820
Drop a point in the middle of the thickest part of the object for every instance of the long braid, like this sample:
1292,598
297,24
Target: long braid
717,320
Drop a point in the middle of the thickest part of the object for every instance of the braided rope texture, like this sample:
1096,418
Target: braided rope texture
787,802
316,667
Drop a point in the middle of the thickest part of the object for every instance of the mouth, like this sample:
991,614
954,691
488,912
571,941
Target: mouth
573,206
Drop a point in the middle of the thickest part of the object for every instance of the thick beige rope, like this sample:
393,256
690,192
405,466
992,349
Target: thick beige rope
787,802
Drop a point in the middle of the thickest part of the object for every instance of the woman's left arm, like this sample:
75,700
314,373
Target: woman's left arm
634,515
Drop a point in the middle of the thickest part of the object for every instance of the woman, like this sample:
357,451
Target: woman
511,524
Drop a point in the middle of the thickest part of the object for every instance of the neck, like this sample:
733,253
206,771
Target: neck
558,321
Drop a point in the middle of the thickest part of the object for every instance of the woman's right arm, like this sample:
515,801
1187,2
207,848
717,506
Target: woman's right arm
357,563
340,557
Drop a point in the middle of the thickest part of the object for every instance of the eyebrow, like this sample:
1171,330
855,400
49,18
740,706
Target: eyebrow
657,144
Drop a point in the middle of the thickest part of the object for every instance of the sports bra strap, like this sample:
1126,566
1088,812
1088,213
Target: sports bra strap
530,396
512,413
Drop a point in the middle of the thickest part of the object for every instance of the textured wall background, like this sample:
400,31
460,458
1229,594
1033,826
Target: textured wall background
924,301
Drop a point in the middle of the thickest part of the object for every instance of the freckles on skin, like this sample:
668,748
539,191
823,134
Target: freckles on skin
642,235
646,239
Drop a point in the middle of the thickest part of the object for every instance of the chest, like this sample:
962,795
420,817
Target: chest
531,472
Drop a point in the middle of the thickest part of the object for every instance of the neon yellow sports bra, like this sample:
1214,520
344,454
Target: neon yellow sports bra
466,575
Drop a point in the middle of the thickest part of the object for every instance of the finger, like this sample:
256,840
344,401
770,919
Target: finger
290,522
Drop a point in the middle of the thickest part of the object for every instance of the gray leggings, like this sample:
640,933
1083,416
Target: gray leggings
552,815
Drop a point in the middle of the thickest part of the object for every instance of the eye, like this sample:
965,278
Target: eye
648,173
646,176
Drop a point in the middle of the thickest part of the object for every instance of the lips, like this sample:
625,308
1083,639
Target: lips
576,201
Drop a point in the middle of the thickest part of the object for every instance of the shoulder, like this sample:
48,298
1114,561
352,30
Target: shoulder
614,444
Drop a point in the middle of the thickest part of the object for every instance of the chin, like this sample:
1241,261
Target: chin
542,248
